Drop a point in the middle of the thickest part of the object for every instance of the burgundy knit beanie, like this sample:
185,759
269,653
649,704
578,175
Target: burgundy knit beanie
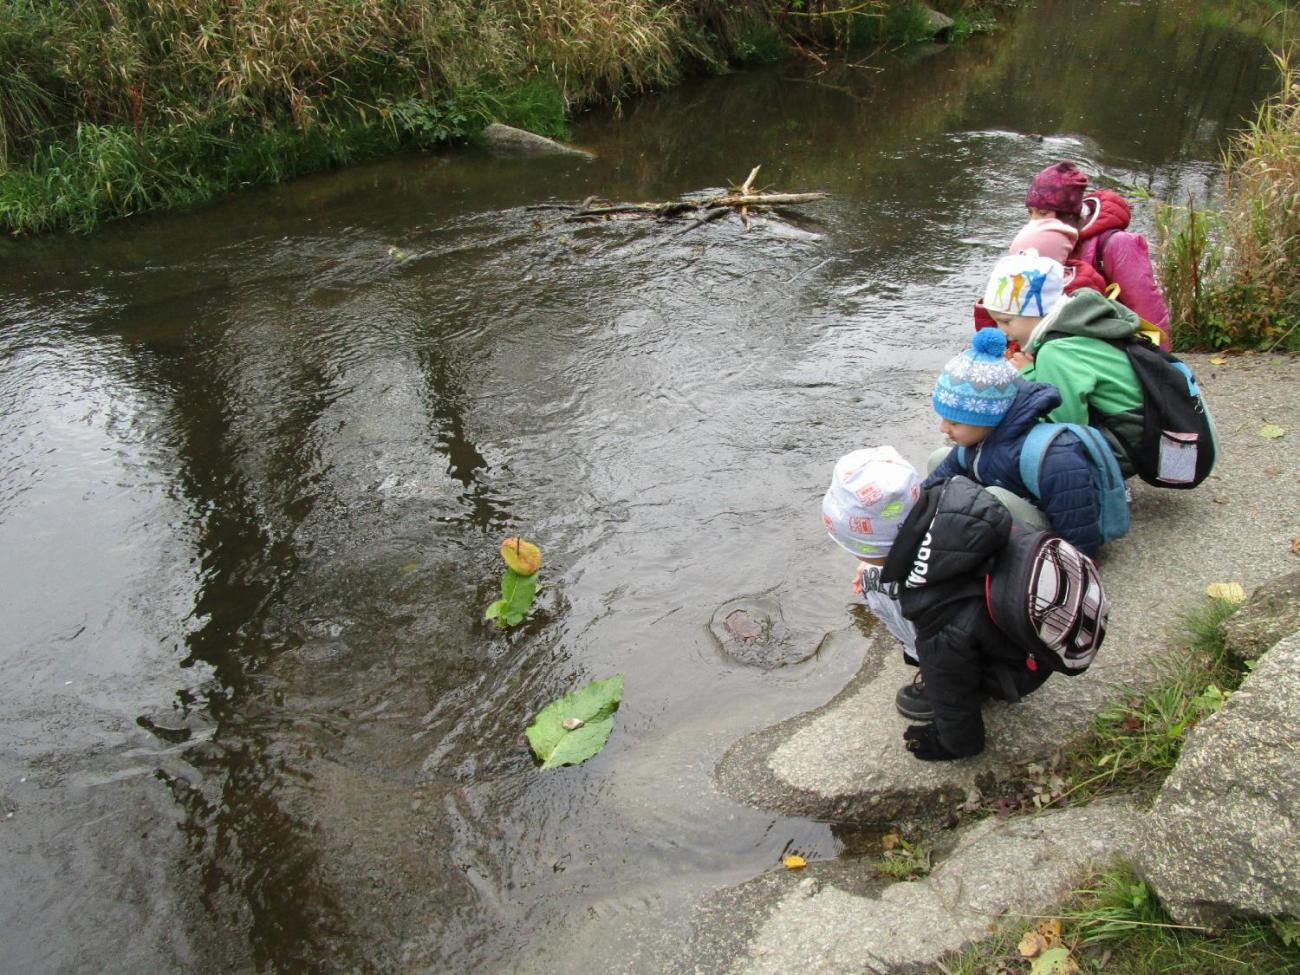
1059,187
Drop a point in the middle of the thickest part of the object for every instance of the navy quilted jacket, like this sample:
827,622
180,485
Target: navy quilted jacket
1069,498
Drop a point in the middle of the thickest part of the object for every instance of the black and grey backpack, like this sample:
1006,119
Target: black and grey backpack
1047,597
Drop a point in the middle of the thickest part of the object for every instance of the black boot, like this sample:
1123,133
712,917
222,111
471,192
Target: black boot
912,702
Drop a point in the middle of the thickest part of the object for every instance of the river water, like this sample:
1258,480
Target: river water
256,459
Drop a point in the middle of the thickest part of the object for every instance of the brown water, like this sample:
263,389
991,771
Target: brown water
254,470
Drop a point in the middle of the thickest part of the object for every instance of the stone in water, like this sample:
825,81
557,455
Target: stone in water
741,626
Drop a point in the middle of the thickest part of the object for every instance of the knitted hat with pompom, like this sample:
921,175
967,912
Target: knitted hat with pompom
978,385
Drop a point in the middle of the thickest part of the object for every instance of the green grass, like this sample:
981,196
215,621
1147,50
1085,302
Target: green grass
119,107
1232,274
1134,742
902,859
107,171
1117,926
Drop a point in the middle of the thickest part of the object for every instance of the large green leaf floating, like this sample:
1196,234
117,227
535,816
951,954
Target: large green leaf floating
517,595
575,727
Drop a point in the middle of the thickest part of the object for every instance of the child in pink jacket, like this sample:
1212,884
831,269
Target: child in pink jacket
1058,194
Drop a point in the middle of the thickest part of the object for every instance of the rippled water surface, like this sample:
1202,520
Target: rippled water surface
255,464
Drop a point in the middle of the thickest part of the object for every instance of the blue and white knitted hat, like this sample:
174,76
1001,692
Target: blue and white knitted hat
871,493
978,385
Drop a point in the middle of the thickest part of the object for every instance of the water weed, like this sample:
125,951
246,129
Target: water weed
1232,274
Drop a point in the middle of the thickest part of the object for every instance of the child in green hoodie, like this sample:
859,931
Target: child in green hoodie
1069,341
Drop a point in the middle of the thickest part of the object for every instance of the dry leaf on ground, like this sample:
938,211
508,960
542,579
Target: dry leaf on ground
1050,931
1217,360
793,862
1295,545
1231,591
1271,430
891,840
1054,961
1031,945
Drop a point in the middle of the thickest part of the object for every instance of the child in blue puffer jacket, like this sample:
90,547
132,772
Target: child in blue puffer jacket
985,407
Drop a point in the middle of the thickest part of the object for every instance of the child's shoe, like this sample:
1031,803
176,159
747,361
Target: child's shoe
912,702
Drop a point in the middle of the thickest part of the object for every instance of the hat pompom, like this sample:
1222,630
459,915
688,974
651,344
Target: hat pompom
990,343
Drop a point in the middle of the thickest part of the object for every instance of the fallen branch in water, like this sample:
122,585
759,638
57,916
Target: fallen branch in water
740,199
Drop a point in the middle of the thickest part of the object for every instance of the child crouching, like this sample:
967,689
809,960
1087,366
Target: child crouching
988,411
929,549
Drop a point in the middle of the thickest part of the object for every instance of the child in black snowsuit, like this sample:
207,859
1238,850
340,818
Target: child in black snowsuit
943,551
935,566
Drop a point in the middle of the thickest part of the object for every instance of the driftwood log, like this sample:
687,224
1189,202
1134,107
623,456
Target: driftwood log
739,200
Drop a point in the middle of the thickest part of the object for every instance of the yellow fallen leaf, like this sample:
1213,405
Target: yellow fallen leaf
1295,545
1218,360
891,841
1031,944
409,567
1054,961
523,557
1050,931
1229,591
1271,430
793,862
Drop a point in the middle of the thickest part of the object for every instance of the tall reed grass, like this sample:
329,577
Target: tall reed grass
114,107
1232,274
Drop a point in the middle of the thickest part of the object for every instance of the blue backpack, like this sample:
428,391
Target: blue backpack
1112,501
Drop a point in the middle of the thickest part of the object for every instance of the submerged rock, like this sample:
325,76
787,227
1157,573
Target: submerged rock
1271,613
506,138
752,631
1221,840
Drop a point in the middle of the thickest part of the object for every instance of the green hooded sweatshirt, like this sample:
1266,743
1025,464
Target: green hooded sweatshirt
1090,372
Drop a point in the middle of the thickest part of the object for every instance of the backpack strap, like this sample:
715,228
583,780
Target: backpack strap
1041,438
1099,255
1033,452
1103,457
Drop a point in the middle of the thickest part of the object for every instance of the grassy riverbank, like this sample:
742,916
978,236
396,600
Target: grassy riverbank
120,107
1116,923
1232,271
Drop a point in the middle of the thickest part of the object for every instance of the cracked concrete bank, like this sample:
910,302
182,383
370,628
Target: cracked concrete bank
822,922
845,761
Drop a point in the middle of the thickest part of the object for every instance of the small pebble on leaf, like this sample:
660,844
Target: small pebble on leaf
570,724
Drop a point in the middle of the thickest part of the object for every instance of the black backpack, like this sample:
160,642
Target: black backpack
1178,447
1047,597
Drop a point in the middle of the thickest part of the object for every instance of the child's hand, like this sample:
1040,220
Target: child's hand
1021,359
857,578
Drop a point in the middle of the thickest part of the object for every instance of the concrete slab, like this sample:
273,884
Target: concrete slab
998,870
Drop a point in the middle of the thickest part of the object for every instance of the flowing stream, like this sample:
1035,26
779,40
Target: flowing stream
256,460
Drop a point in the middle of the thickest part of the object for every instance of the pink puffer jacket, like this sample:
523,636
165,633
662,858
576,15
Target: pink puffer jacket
1125,258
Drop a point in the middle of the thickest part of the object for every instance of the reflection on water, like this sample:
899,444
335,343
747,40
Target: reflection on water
254,470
